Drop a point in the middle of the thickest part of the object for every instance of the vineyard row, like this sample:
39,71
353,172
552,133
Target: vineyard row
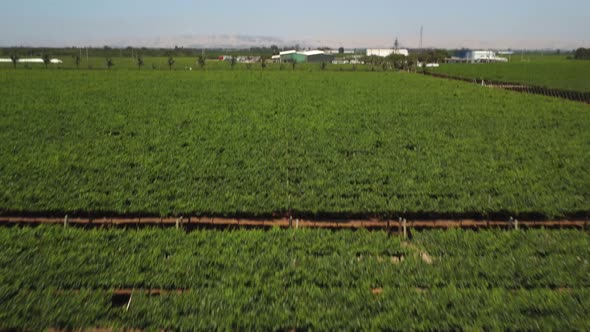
583,97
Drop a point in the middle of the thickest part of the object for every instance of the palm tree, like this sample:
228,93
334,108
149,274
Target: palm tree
170,62
201,61
77,61
139,62
263,62
14,58
46,60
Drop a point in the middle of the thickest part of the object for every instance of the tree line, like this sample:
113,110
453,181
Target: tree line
132,52
410,62
582,54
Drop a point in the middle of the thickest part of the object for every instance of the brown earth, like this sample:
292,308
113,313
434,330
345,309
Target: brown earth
299,223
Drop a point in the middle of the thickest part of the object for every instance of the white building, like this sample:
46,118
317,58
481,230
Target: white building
479,56
289,52
470,56
33,60
427,65
383,52
337,51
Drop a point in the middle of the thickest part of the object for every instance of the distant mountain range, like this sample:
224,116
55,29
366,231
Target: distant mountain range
201,41
236,41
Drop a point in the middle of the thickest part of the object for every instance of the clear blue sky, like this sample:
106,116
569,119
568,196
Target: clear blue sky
450,23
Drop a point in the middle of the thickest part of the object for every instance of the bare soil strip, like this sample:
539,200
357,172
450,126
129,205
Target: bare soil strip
217,222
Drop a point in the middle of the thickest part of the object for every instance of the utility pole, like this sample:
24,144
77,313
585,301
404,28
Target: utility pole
421,36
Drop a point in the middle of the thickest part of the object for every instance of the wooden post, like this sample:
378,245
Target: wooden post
399,226
66,221
516,224
176,223
405,230
388,228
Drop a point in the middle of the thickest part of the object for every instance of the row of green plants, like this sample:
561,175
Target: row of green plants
72,258
262,144
550,72
301,308
280,279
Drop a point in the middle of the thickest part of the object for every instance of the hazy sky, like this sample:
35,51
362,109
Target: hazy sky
449,23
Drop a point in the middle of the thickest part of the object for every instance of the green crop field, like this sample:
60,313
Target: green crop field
303,142
258,143
52,277
549,71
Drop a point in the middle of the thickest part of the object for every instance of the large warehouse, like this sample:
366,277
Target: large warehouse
470,56
383,52
315,56
287,56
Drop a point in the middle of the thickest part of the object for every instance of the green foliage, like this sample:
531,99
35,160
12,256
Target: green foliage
109,62
51,277
434,56
46,60
14,59
548,71
337,144
263,62
201,61
77,61
140,62
582,54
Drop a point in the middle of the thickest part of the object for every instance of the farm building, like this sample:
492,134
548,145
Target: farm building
383,52
313,57
287,56
33,60
305,56
346,51
353,60
225,58
469,56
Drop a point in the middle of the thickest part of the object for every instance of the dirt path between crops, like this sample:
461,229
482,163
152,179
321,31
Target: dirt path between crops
217,222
